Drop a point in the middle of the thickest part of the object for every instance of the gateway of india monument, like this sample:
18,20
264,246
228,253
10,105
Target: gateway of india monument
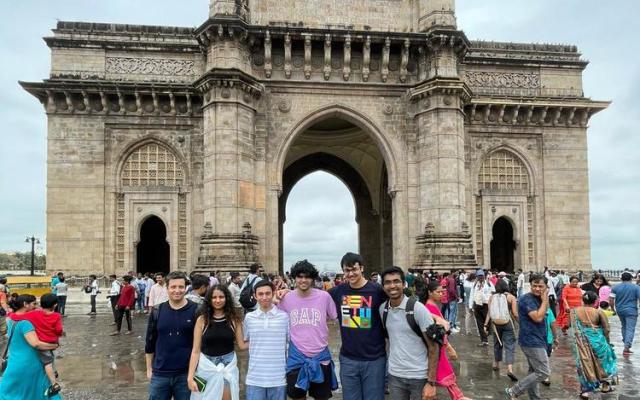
173,148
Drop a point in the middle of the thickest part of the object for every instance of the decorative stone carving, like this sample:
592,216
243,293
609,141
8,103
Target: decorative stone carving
268,67
366,58
284,105
150,66
404,61
307,57
287,56
385,59
327,57
526,80
387,109
346,69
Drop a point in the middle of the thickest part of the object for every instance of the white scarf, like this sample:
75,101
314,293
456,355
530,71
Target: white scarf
215,374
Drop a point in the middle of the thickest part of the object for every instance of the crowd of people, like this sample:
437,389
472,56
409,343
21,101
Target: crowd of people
395,330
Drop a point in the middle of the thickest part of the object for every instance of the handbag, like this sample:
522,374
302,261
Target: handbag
5,358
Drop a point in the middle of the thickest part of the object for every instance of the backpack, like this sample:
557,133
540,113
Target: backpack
246,296
411,320
499,309
88,289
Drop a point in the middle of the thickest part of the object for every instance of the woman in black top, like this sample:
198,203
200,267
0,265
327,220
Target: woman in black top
217,330
595,284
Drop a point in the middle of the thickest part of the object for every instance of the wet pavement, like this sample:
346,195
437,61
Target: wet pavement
96,366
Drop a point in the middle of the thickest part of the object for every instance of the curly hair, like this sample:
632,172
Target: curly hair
230,313
304,267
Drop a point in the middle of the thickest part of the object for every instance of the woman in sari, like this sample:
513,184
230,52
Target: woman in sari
445,375
24,377
570,299
595,359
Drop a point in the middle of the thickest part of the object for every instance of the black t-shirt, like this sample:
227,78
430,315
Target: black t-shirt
590,287
360,323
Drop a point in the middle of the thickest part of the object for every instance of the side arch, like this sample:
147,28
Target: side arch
348,114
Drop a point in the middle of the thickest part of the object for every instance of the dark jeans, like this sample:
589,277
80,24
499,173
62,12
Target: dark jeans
362,380
480,313
120,312
164,387
114,307
62,302
507,336
93,303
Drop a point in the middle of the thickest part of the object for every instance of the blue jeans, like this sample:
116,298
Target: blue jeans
628,329
164,387
140,303
270,393
362,380
453,314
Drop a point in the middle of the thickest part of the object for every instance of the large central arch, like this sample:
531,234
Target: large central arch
374,227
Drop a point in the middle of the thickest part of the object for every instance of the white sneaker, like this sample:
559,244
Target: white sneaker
455,330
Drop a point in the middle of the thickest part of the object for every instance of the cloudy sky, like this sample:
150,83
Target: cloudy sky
605,32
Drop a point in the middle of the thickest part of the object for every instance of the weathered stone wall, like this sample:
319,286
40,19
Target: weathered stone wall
378,15
75,194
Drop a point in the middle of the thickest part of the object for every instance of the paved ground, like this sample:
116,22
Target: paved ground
96,366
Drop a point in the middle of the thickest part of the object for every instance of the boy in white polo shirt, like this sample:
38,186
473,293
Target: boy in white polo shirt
267,331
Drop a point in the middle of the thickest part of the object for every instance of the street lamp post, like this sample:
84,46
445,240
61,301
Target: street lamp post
33,240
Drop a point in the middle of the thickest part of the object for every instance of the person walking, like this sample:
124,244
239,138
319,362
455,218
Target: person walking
571,298
169,342
113,295
624,302
503,307
445,375
126,302
363,358
310,368
93,290
453,297
532,338
467,285
140,283
479,302
413,359
595,359
267,331
61,292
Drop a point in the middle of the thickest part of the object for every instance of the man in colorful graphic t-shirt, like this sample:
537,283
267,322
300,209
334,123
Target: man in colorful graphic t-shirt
309,364
362,354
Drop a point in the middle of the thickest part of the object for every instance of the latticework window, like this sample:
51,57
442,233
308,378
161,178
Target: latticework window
503,171
152,165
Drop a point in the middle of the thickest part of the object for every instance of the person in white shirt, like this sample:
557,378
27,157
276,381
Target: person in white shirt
199,286
479,300
520,284
94,293
267,331
61,292
147,290
158,293
234,288
113,296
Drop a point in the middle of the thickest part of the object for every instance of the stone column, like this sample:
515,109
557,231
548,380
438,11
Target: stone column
439,101
233,190
436,14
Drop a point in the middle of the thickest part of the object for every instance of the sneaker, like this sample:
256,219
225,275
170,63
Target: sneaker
507,392
116,333
627,351
52,390
128,332
91,313
455,330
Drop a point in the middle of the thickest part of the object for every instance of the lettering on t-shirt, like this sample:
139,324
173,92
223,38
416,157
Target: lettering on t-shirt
305,316
356,311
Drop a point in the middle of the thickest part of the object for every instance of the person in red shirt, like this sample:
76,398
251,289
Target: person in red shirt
48,326
124,305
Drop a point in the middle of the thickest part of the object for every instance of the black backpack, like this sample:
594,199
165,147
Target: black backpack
247,300
411,320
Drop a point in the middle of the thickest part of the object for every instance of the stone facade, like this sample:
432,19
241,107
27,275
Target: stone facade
437,137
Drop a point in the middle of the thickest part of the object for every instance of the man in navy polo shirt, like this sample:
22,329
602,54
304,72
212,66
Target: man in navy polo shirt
169,341
532,312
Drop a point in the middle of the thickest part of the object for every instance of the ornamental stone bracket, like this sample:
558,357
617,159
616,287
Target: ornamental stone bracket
229,85
439,92
531,113
61,97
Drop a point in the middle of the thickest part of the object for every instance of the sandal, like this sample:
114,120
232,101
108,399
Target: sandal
52,390
585,395
512,377
608,390
546,382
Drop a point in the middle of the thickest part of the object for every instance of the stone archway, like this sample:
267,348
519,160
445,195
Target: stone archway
374,227
503,246
152,251
342,148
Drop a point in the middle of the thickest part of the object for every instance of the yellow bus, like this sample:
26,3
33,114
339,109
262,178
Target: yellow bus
35,285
